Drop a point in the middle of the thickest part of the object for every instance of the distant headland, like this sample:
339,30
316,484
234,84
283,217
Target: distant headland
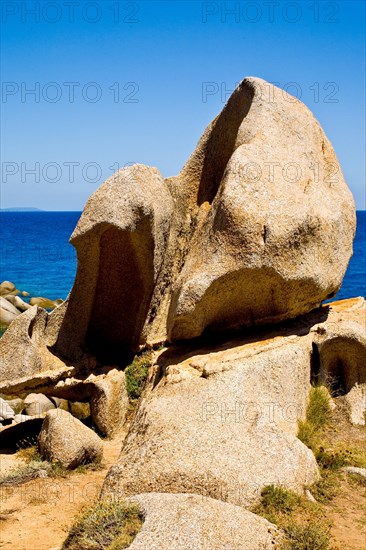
21,209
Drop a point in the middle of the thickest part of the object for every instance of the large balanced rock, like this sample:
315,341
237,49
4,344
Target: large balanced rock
120,241
257,228
278,220
63,438
187,522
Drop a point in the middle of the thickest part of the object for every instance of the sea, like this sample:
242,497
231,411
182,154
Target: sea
37,257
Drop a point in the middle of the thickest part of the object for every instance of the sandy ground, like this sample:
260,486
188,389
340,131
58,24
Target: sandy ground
38,515
347,512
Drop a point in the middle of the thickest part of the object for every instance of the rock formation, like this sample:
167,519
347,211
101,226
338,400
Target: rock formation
222,421
184,521
228,263
63,438
11,305
257,228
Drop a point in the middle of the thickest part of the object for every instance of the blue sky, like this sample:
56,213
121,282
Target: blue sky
123,82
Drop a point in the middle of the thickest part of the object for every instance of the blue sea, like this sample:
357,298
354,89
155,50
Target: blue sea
37,257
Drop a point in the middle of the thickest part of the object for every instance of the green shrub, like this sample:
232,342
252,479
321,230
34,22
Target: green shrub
306,537
136,375
318,416
332,460
325,489
28,453
105,526
296,517
319,412
278,499
308,435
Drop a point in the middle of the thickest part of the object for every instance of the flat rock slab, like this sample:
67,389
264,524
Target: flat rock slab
191,522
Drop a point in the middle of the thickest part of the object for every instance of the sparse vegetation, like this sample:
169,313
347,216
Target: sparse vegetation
25,473
299,519
312,432
303,522
306,537
136,375
28,451
276,500
318,416
35,467
105,526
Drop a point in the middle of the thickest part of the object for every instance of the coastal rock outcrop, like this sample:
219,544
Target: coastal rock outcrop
25,360
221,423
187,521
257,228
11,305
18,302
228,262
7,288
63,438
45,302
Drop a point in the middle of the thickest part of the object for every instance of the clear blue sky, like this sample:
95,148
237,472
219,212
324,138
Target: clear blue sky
159,55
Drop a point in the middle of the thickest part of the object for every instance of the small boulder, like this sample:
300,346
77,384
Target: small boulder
187,521
44,302
16,404
356,471
6,287
36,404
109,402
65,439
8,312
6,412
17,302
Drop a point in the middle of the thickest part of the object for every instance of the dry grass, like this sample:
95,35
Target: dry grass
300,520
335,444
105,526
136,375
